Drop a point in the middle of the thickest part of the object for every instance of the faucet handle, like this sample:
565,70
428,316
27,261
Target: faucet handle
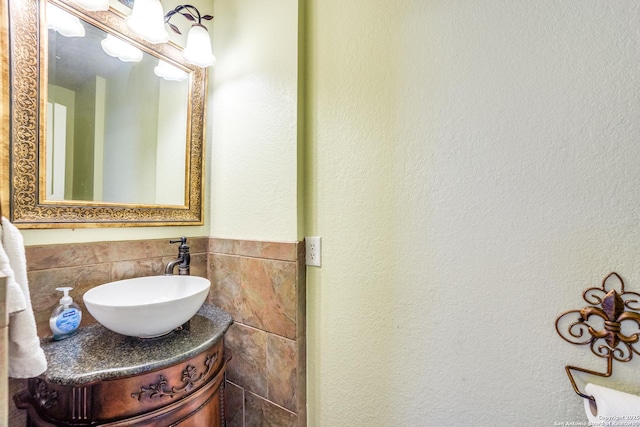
183,241
184,248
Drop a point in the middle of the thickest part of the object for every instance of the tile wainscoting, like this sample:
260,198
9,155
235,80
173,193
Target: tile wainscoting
261,284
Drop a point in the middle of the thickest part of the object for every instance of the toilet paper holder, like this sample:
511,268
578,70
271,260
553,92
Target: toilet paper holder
610,326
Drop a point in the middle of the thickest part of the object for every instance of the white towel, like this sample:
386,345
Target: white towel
26,358
15,297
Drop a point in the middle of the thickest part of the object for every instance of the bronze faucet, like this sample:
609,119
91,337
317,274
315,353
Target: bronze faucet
182,261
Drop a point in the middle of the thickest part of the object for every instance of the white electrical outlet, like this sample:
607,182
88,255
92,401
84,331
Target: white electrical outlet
313,246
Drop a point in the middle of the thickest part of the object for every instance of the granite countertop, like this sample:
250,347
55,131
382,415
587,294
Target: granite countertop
95,353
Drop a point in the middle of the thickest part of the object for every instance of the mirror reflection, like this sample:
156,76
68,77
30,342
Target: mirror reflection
116,118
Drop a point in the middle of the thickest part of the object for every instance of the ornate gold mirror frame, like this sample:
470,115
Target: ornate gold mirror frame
23,90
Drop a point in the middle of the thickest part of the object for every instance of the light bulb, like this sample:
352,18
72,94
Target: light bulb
63,22
147,21
120,49
169,72
198,48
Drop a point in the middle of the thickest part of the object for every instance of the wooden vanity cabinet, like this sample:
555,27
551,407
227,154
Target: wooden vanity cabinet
186,394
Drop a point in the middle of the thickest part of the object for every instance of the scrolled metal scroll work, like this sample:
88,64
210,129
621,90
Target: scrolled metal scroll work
190,378
610,325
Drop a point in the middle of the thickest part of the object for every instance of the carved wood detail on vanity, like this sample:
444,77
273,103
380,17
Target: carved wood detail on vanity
190,378
43,397
188,394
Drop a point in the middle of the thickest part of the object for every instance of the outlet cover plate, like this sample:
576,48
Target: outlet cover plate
313,250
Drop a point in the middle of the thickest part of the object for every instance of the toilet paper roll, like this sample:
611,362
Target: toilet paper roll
612,407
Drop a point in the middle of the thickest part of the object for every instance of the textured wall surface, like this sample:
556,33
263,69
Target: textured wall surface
254,156
472,167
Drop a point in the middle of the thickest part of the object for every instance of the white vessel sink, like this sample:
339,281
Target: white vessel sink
147,307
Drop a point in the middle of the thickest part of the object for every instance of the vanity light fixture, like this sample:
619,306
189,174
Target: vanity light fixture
92,5
120,49
63,22
147,21
198,49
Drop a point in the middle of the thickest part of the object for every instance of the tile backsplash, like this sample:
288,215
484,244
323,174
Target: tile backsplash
261,284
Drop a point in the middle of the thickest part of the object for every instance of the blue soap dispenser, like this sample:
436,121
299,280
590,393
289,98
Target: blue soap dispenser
65,319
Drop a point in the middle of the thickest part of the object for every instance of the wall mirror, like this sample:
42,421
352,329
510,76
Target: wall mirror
105,129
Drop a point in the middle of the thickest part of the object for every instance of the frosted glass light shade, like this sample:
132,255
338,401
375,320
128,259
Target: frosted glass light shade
120,49
63,22
147,21
169,72
92,5
198,49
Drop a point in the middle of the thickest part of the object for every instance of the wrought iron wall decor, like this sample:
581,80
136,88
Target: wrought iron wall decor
610,326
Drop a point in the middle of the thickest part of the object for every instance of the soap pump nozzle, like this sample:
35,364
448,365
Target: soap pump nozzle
66,299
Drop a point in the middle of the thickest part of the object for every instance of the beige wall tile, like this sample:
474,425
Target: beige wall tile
248,367
57,256
226,286
197,245
137,268
282,380
301,297
141,249
301,379
269,295
284,251
261,412
198,265
234,405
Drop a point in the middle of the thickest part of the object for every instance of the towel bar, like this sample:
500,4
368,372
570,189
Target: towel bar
608,312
